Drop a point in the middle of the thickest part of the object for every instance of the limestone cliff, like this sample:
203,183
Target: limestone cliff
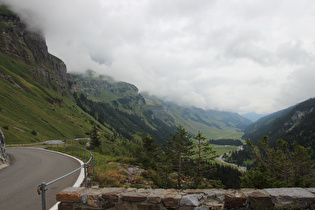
16,40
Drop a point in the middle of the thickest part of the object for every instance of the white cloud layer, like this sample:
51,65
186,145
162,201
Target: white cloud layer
232,55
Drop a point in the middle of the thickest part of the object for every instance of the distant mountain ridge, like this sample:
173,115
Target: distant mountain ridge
213,124
125,97
296,123
253,116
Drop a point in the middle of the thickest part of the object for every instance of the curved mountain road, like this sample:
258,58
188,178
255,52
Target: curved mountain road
29,168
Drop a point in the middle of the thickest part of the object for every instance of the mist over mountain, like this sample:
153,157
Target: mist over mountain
253,116
195,53
41,100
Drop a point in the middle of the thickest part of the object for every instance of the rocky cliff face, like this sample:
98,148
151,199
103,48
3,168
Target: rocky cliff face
16,40
3,153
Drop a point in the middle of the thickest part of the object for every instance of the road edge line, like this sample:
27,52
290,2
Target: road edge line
80,178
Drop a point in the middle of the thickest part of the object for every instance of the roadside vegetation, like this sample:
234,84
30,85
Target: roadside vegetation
184,162
188,162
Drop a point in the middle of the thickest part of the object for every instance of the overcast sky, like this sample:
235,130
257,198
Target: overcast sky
231,55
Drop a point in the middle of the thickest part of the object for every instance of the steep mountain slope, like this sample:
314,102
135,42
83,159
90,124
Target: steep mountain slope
119,105
35,102
262,127
121,95
155,113
295,123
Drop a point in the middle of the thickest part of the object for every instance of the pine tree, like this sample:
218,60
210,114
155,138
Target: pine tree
179,148
148,152
203,154
95,138
283,166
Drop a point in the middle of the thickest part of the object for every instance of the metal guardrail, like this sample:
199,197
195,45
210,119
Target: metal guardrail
41,189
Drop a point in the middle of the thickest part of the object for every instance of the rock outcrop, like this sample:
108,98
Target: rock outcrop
3,153
17,41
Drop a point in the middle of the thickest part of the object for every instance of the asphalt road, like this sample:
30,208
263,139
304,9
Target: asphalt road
29,168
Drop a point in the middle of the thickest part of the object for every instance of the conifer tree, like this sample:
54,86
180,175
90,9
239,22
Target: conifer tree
95,138
148,152
179,148
283,166
203,154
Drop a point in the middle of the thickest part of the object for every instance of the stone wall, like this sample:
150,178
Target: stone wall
195,199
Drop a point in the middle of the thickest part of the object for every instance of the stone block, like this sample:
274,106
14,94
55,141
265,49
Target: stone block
85,208
111,194
110,197
94,198
217,207
156,196
171,200
312,190
133,196
108,205
194,191
201,208
258,199
191,200
214,197
186,208
297,198
70,195
124,206
234,199
65,206
144,206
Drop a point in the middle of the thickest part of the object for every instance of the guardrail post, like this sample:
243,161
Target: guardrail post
92,164
84,155
85,175
64,146
43,189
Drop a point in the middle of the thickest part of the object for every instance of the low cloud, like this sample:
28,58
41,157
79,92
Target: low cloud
239,56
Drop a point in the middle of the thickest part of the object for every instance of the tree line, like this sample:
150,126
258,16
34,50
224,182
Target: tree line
188,162
235,142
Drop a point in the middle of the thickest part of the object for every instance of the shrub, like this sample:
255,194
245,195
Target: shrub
34,132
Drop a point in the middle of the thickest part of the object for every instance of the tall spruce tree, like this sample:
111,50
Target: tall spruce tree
179,148
203,154
95,138
148,152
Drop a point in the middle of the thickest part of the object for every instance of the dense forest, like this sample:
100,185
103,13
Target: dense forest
122,122
239,157
235,142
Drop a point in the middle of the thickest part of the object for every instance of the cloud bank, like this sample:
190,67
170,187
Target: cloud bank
237,55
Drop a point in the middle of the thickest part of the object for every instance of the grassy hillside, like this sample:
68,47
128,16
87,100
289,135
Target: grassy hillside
31,113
